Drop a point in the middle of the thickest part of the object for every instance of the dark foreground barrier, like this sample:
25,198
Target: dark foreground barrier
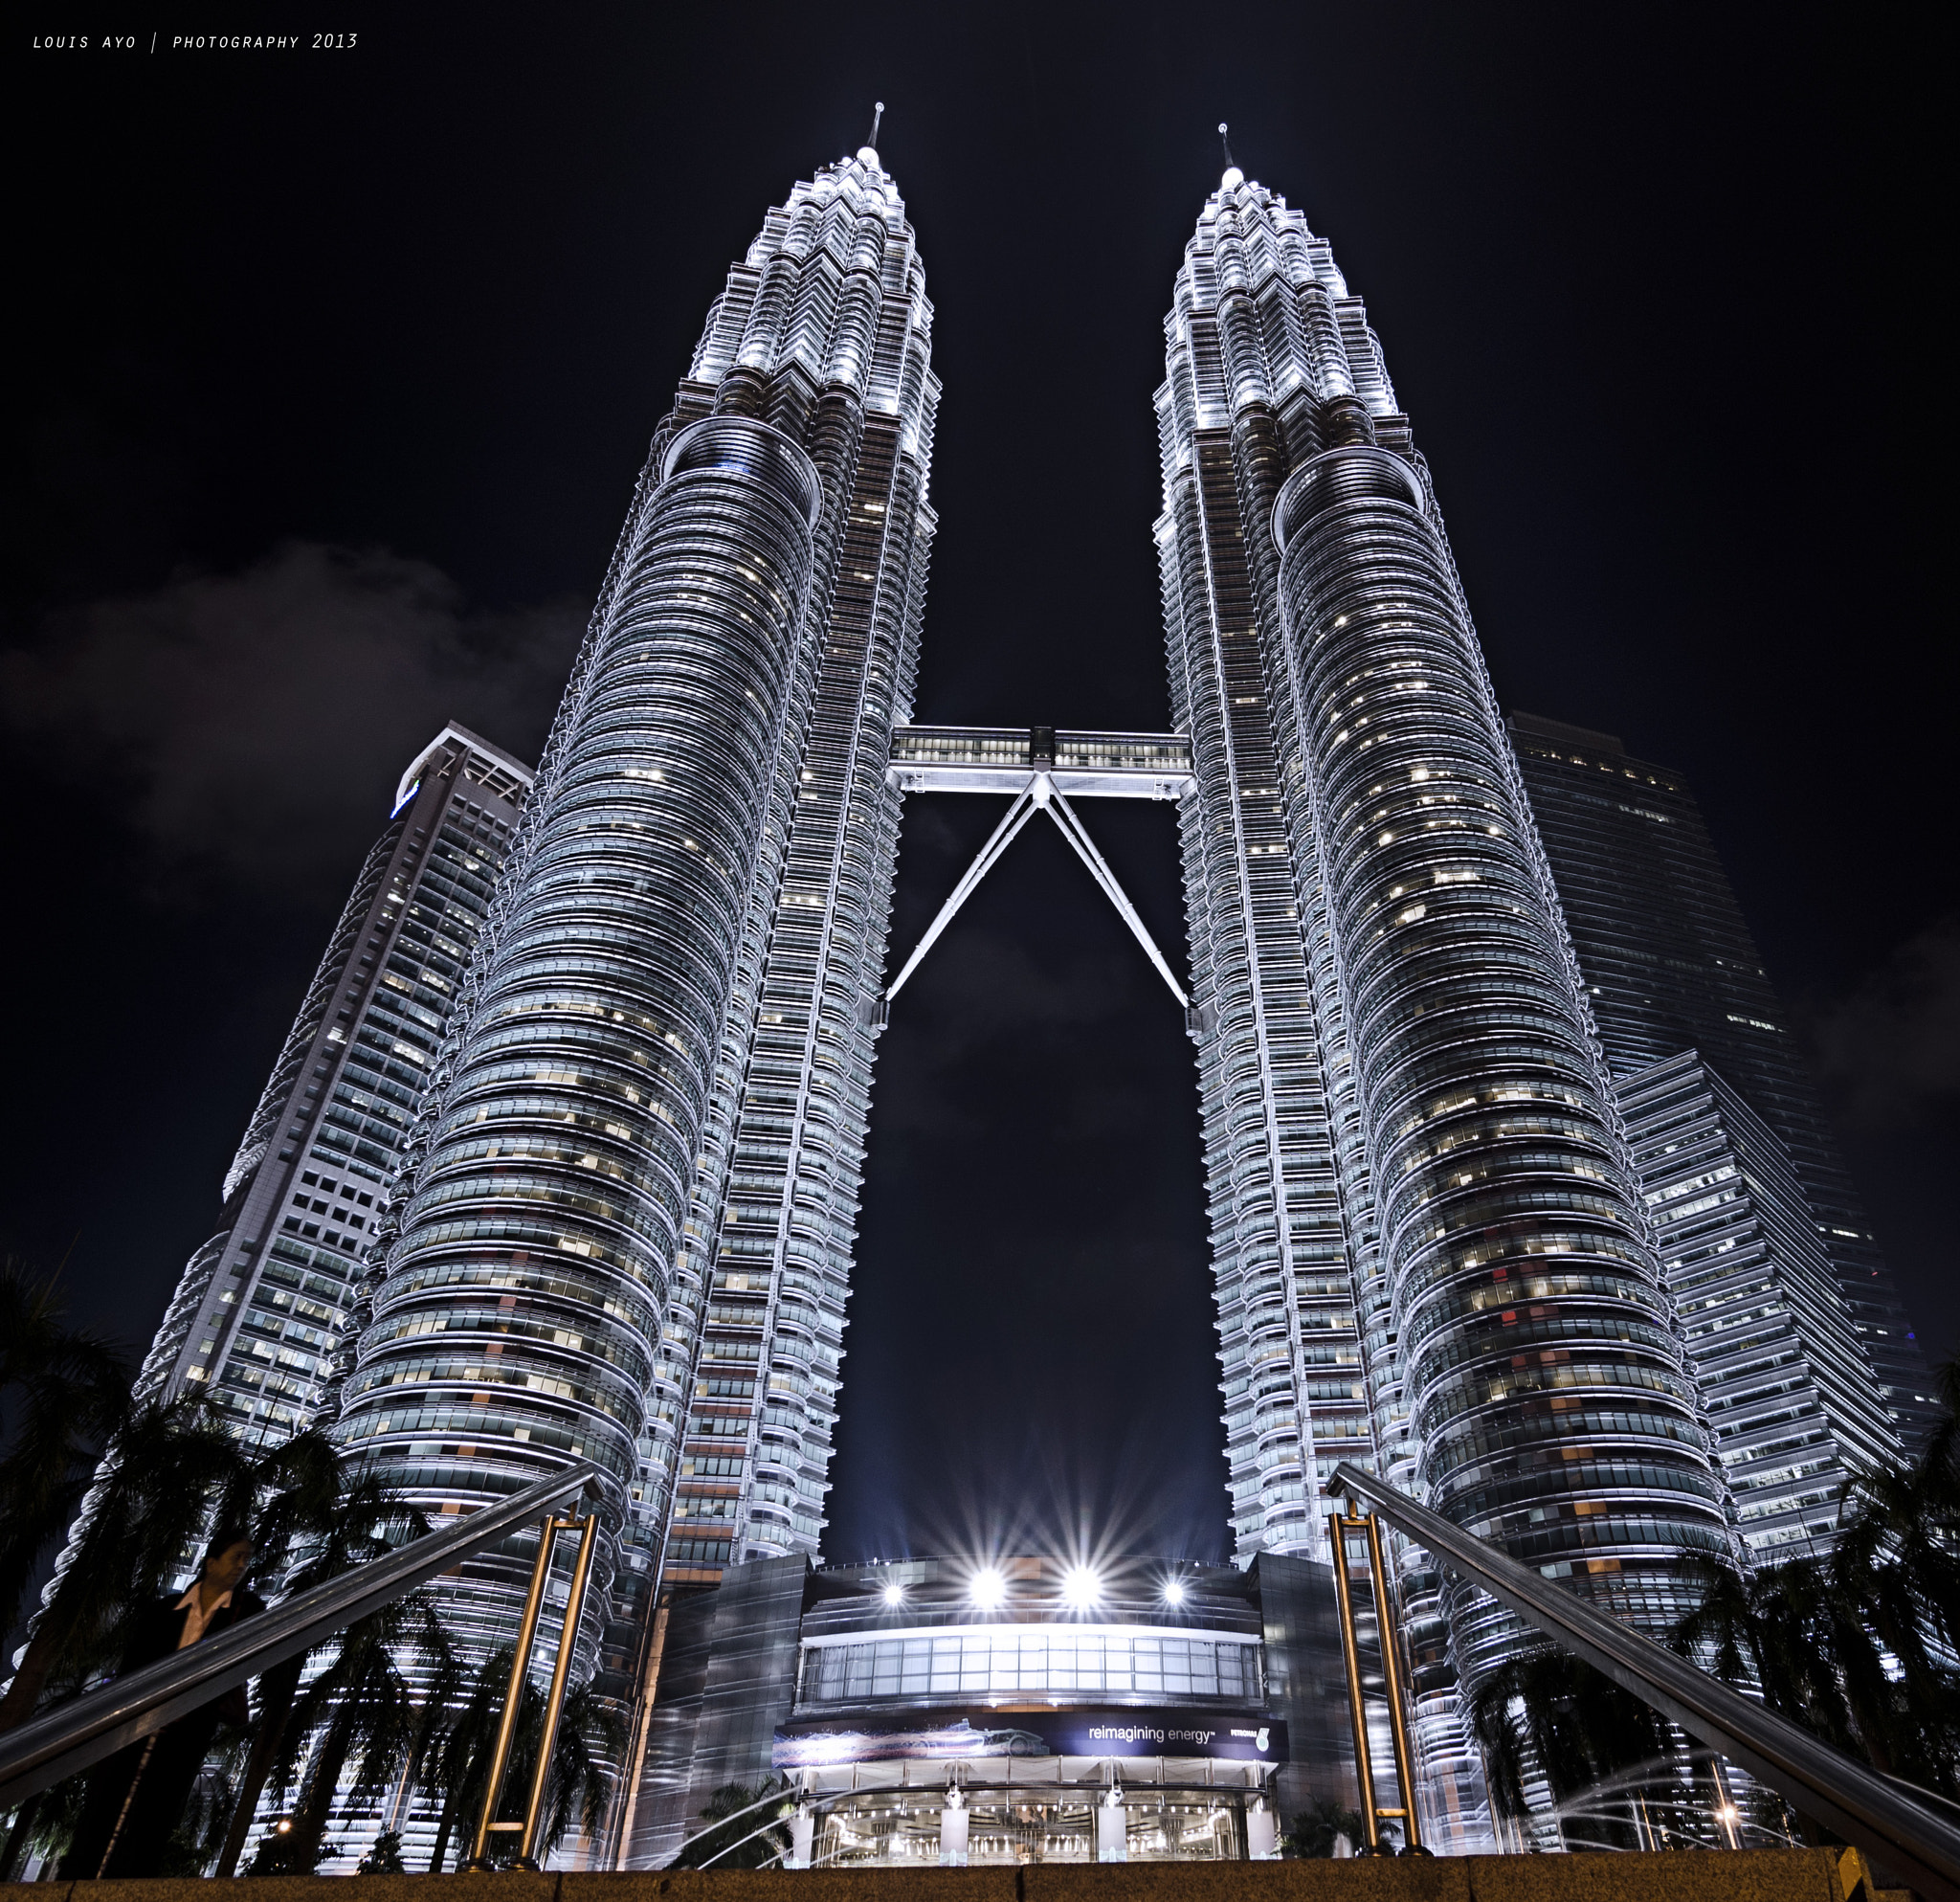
1754,1875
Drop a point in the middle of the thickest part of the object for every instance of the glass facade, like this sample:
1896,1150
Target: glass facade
1199,1691
919,1666
826,327
1429,1241
257,1307
1787,1387
524,1294
1669,965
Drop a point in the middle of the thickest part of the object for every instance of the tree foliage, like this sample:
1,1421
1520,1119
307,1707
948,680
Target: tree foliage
1312,1832
1857,1646
750,1837
577,1791
63,1392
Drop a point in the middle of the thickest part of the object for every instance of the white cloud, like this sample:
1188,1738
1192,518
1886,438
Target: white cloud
1891,1051
256,723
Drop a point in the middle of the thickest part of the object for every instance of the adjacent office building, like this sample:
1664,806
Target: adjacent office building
261,1314
1785,1383
1669,965
257,1309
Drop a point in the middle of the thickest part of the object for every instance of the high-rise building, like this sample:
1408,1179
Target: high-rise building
1428,1240
256,1308
626,1220
1669,965
1786,1384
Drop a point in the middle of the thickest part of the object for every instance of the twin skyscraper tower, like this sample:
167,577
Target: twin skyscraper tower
566,1151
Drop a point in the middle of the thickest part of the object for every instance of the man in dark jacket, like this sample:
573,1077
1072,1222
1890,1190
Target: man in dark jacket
135,1798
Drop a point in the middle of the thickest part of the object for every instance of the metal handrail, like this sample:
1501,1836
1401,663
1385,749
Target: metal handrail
1842,1793
75,1735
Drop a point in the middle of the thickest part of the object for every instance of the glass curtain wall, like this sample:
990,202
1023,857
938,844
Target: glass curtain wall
1669,965
259,1304
1785,1383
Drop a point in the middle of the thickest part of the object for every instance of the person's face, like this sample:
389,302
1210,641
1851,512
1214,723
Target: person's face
225,1569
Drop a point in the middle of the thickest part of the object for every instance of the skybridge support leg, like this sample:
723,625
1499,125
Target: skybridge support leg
1018,815
1038,795
1073,830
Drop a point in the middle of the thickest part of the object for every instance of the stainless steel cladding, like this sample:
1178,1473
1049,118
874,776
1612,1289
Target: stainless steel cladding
1549,1393
523,1300
1429,1250
627,1208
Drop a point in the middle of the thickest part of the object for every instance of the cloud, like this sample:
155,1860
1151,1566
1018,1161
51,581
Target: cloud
1890,1052
254,724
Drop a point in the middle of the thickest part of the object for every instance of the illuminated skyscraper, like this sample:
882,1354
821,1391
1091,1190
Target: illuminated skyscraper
1429,1241
1669,965
258,1304
625,1228
258,1308
1788,1388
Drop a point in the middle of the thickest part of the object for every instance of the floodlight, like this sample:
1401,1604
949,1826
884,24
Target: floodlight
1081,1587
1173,1593
988,1588
895,1593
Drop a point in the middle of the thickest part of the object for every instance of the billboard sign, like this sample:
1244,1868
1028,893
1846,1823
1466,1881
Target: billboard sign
1241,1736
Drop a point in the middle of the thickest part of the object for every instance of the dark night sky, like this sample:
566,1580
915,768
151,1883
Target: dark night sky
333,372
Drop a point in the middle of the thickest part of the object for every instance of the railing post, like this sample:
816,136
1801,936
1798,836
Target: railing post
1364,1774
568,1637
520,1664
1391,1680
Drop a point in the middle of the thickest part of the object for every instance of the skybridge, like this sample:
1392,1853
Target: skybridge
1040,768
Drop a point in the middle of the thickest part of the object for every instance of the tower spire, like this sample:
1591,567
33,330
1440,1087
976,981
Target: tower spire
1232,175
867,152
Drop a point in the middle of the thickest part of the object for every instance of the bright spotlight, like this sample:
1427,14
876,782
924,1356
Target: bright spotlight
988,1588
1081,1587
895,1594
1173,1593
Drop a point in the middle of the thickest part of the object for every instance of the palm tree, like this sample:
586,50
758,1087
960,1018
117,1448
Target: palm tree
1580,1729
1314,1829
590,1733
1855,1648
311,1504
750,1838
169,1470
361,1706
45,1824
359,1703
460,1761
165,1465
63,1393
